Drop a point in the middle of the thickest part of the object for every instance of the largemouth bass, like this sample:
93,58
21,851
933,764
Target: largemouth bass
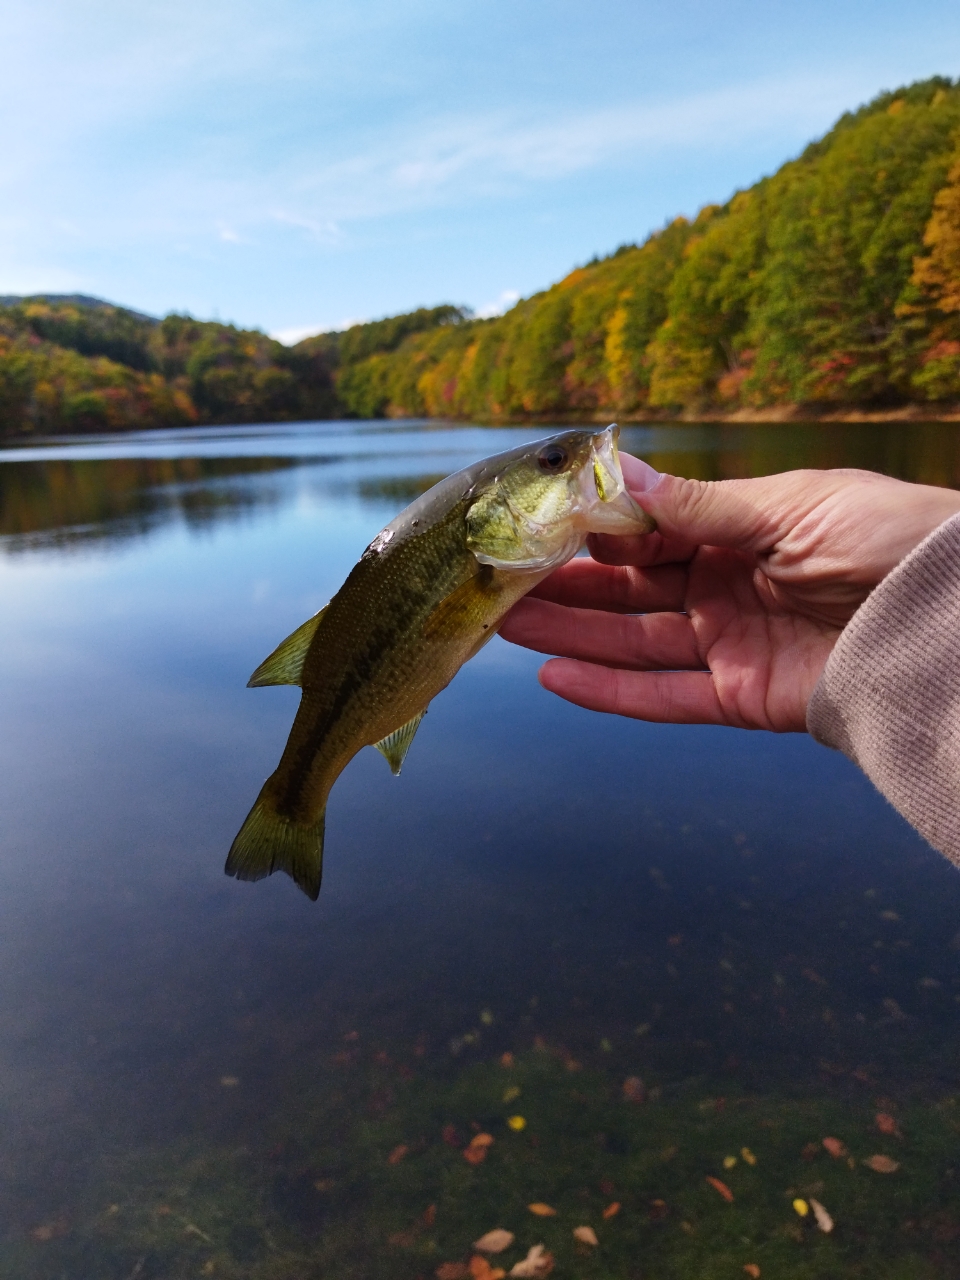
430,590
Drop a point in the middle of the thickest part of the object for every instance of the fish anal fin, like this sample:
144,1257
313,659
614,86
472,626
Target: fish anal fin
395,745
285,664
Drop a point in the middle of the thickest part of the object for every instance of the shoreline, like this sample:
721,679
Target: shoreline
778,415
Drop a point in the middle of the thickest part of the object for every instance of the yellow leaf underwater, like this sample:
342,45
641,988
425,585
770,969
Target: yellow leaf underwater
801,1207
748,1156
542,1210
516,1123
494,1241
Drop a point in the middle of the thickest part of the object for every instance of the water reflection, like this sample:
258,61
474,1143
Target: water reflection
199,1077
62,494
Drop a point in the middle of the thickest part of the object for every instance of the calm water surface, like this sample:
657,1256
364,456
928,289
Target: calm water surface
201,1077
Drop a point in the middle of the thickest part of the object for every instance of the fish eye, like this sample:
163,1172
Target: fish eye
552,459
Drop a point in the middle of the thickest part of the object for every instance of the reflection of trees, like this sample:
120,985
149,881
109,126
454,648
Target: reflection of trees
399,489
924,452
60,502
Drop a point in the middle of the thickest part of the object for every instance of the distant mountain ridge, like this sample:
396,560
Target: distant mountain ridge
830,288
72,300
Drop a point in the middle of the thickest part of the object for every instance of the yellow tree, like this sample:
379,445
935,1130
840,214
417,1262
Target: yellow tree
937,276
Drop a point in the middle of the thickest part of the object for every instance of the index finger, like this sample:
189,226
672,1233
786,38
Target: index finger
615,588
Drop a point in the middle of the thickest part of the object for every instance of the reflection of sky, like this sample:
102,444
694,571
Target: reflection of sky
529,848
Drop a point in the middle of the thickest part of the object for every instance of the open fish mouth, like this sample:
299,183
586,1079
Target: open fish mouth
607,473
610,507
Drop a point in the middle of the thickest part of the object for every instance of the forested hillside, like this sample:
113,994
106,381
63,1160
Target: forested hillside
832,286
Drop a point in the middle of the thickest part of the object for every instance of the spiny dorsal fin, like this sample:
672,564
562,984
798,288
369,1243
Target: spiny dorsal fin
396,745
285,664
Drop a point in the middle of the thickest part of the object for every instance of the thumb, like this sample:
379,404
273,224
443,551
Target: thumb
745,515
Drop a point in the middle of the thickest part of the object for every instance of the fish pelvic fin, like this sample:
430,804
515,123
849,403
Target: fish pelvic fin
395,745
268,842
285,664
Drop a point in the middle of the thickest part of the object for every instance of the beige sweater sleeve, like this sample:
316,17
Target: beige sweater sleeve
889,696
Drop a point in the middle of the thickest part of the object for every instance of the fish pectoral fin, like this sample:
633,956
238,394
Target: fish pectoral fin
395,745
285,664
460,608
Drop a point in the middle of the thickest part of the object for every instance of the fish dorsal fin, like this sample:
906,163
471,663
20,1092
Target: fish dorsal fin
285,664
395,745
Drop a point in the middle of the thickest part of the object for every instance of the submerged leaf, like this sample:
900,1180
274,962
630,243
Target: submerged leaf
835,1147
494,1241
542,1210
881,1164
612,1210
824,1221
722,1188
452,1271
480,1269
886,1124
801,1207
476,1152
586,1235
634,1090
752,1270
537,1263
516,1123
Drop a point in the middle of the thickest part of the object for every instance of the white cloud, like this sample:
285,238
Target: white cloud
505,301
456,160
290,337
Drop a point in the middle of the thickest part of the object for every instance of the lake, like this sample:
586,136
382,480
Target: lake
200,1077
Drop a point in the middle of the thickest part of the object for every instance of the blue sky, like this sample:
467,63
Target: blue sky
296,166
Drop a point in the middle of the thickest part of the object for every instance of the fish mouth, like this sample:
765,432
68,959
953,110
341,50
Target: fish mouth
607,474
616,511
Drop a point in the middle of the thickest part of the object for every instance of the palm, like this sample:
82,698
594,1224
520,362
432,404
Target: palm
706,641
728,613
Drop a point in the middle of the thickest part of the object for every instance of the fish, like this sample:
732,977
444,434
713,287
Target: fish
427,594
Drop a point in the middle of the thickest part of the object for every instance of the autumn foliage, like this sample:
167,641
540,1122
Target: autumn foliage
833,285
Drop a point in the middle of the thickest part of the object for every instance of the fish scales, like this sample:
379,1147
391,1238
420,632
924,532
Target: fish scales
368,669
425,596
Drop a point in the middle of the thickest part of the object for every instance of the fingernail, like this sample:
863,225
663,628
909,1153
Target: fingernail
638,475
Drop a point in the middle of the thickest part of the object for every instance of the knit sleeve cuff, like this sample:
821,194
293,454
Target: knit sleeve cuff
889,696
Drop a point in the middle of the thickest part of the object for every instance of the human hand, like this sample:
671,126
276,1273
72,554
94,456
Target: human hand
728,613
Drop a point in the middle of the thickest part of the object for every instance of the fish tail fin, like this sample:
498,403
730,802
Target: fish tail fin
268,842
